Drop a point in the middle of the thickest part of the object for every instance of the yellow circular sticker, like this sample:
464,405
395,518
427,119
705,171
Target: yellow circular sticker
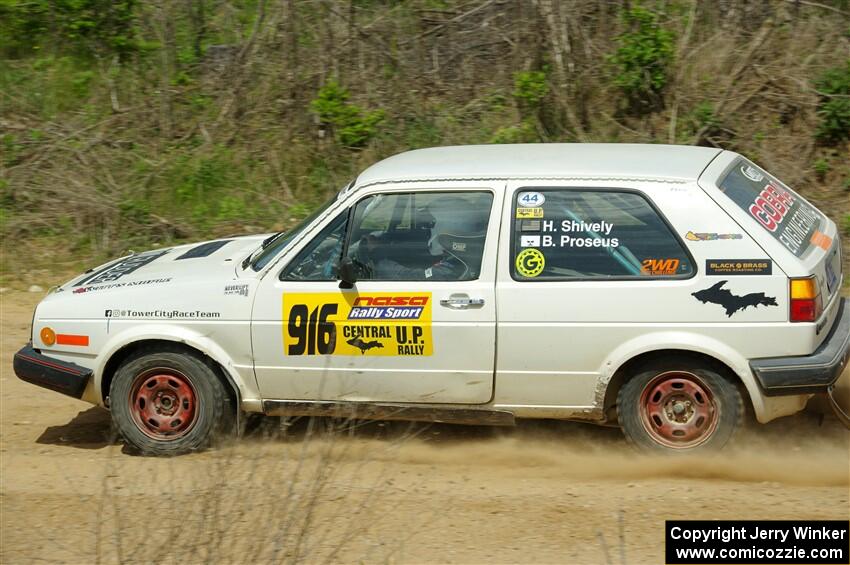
530,263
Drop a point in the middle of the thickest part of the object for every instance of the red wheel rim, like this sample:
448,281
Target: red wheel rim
163,404
678,410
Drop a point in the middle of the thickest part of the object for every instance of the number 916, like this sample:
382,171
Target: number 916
312,332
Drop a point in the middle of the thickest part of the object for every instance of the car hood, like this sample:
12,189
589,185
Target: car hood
215,259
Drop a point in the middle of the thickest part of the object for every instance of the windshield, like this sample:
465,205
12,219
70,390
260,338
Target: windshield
274,245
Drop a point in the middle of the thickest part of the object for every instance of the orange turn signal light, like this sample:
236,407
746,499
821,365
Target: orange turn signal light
48,336
803,288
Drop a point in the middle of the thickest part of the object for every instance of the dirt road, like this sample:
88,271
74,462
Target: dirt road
542,492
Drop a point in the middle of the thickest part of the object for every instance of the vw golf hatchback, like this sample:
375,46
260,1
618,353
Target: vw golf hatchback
663,288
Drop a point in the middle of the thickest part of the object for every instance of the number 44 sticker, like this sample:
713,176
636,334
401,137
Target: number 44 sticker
530,199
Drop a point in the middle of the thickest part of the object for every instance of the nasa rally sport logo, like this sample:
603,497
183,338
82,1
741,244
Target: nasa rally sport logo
530,263
388,307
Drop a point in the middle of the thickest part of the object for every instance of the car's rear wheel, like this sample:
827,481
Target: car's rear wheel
675,405
167,403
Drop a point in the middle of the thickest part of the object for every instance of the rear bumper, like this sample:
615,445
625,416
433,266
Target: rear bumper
47,372
808,374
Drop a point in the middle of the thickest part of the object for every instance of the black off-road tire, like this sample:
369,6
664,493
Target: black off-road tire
642,410
188,381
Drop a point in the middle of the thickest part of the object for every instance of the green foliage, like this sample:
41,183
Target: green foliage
821,167
84,27
52,84
847,224
351,125
642,59
834,106
525,132
80,83
135,210
704,116
530,88
421,132
207,188
301,209
10,149
196,179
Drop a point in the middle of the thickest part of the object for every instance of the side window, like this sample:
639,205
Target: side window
777,208
593,234
318,260
420,236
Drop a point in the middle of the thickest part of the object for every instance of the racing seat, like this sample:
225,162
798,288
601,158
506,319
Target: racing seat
468,249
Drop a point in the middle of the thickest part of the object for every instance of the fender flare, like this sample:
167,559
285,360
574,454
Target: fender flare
684,341
246,392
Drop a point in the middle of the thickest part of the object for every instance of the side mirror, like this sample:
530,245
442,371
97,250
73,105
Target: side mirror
347,273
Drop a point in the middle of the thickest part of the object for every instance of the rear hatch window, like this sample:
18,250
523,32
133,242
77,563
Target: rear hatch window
778,209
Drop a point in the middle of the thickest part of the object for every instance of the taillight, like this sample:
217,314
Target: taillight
806,305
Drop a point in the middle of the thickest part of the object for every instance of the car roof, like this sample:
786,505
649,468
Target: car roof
543,160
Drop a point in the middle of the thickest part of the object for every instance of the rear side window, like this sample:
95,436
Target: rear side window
777,208
593,234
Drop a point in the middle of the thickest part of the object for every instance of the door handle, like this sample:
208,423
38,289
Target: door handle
461,302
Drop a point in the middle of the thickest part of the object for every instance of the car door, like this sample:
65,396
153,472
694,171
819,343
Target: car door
417,326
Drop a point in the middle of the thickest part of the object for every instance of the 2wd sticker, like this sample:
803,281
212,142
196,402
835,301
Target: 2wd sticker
529,213
660,267
530,263
357,324
725,267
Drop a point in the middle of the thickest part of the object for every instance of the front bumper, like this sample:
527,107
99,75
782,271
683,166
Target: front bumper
808,374
41,370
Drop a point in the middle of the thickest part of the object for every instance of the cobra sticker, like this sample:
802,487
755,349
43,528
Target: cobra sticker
783,213
530,263
350,323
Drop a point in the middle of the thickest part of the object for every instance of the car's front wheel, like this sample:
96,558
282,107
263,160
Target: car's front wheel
167,402
675,405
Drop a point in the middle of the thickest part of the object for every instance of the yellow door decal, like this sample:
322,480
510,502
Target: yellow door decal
530,263
349,323
529,213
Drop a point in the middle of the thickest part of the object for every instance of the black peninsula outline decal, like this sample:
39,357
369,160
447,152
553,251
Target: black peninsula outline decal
731,302
364,346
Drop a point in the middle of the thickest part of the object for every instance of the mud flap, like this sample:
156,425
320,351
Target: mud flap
839,398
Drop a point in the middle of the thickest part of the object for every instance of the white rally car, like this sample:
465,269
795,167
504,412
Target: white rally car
661,287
